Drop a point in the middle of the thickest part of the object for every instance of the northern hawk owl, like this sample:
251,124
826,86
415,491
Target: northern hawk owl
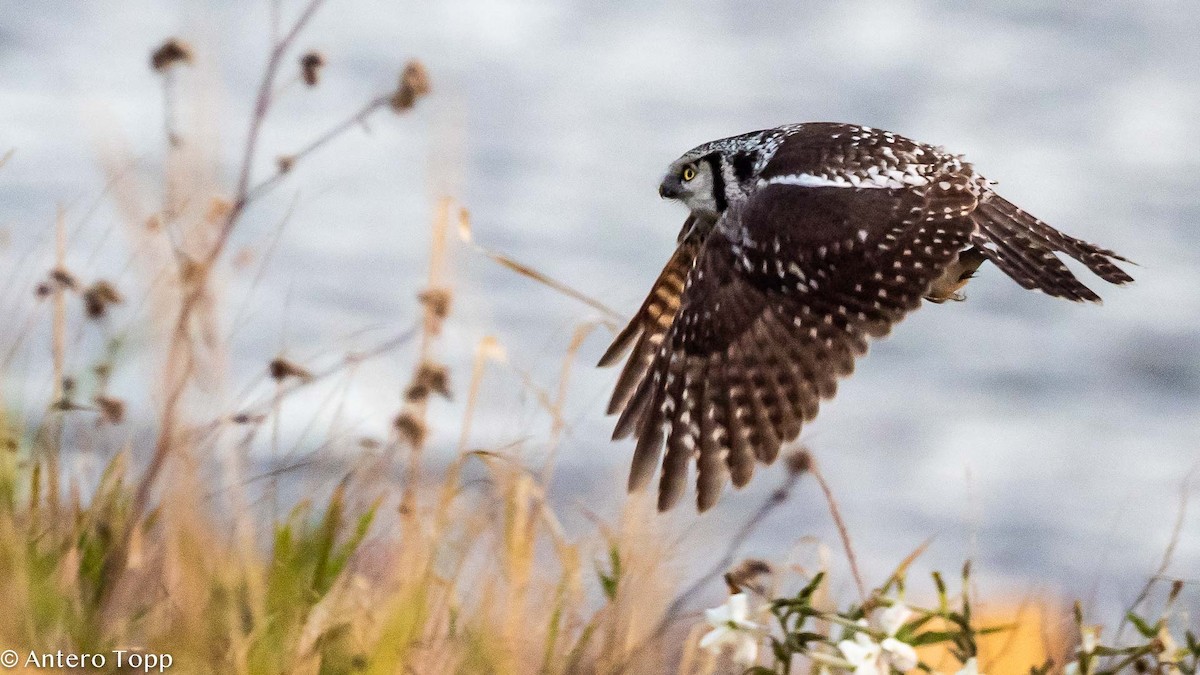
803,242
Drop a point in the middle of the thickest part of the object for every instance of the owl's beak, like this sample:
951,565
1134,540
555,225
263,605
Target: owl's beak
670,188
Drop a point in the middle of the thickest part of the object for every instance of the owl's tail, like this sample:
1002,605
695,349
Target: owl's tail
1024,248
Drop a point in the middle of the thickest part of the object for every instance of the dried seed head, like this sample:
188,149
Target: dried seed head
62,278
747,575
411,429
112,410
190,271
436,301
430,378
799,462
66,400
310,67
64,404
99,297
285,163
169,53
281,369
1176,589
42,290
414,83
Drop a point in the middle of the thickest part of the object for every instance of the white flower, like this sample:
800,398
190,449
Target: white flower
731,627
899,654
869,657
1169,648
1089,635
864,655
971,667
891,619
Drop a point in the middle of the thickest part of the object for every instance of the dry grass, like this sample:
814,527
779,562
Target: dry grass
397,569
419,573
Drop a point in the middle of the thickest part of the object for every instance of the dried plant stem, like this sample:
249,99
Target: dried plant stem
477,370
324,139
59,333
59,355
526,271
168,87
291,386
437,272
262,106
843,533
450,481
431,325
558,424
180,358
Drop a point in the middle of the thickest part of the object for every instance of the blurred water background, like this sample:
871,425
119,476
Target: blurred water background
1048,441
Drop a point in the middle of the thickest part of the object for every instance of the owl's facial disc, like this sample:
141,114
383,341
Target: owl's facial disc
691,182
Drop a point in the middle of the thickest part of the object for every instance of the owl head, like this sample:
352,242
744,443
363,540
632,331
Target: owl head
709,177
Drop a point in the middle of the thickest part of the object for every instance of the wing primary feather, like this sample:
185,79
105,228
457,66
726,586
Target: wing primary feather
1029,264
712,473
806,365
783,384
681,441
649,443
805,397
1097,259
766,437
741,452
621,343
632,373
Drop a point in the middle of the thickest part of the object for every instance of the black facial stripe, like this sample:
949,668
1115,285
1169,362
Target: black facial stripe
718,181
743,165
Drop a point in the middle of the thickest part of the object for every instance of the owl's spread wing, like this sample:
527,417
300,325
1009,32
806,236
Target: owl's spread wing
781,298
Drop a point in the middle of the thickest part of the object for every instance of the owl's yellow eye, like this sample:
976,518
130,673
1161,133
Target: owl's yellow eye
688,173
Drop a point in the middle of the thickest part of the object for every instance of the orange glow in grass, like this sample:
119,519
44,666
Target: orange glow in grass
1035,633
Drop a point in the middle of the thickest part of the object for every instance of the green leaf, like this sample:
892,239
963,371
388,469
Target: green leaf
933,637
611,580
1142,627
806,593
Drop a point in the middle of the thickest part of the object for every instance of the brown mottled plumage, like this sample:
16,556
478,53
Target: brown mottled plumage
804,242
